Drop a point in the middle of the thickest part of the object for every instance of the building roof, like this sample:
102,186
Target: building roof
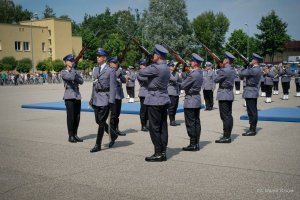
293,45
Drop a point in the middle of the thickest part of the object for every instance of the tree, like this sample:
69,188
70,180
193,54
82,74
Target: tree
239,40
58,65
24,65
273,36
166,20
9,63
48,12
86,65
114,45
45,65
12,13
210,29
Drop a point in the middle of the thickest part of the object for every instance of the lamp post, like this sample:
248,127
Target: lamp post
247,40
32,55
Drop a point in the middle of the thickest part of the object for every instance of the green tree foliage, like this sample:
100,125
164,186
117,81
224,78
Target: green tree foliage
86,65
114,45
210,29
24,65
239,40
48,12
166,20
9,63
58,65
10,12
45,65
273,35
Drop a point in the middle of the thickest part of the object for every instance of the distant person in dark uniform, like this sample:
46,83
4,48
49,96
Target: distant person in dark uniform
131,77
157,101
276,80
286,74
251,91
225,77
143,91
116,108
297,81
173,92
269,74
71,78
103,96
208,86
191,84
237,80
262,81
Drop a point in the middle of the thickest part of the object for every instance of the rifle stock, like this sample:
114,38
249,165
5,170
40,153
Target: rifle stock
213,55
245,60
143,49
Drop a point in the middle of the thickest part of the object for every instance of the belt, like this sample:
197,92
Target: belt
193,93
102,90
225,88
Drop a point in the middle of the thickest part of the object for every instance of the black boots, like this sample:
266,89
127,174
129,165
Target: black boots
72,139
78,139
97,146
113,136
144,128
157,156
172,120
118,132
223,140
251,131
193,146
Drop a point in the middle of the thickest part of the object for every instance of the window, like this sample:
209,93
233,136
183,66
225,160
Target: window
49,41
43,47
26,46
0,45
49,32
18,46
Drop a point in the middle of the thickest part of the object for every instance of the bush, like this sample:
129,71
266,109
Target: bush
9,63
58,65
24,65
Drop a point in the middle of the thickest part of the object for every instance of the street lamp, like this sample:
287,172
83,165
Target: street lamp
247,40
32,55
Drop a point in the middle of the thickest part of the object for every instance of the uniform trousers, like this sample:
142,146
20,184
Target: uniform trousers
237,85
268,90
101,115
297,86
130,91
225,108
73,108
115,114
192,122
158,126
275,85
143,112
285,87
262,87
173,105
209,98
252,110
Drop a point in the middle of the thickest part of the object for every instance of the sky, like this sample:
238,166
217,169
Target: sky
239,12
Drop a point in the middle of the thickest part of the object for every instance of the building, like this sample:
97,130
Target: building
292,48
38,40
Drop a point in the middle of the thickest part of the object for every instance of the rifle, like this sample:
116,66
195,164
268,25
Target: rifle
178,58
178,63
245,60
214,56
143,49
79,56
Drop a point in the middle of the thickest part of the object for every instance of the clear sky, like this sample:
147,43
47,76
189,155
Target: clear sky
239,12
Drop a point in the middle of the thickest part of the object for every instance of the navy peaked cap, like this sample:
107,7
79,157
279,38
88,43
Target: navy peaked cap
142,62
171,63
229,56
113,60
257,57
102,52
208,64
130,67
160,50
69,57
197,58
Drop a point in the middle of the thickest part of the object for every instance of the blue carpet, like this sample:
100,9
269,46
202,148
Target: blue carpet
277,115
127,108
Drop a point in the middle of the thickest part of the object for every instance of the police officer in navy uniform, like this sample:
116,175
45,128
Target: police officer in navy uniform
237,80
191,84
269,74
225,77
131,77
173,92
116,108
71,78
157,101
208,86
143,91
286,74
251,91
103,96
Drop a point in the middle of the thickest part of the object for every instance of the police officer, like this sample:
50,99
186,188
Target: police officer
297,81
275,80
103,96
285,73
71,78
251,91
269,74
173,92
237,80
208,86
191,84
116,108
262,81
157,101
143,91
225,77
131,76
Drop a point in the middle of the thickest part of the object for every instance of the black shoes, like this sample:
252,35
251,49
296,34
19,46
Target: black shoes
223,140
191,147
78,139
96,148
113,139
119,133
72,139
145,129
156,157
173,123
249,133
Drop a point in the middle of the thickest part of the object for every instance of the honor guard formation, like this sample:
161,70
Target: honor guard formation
161,84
